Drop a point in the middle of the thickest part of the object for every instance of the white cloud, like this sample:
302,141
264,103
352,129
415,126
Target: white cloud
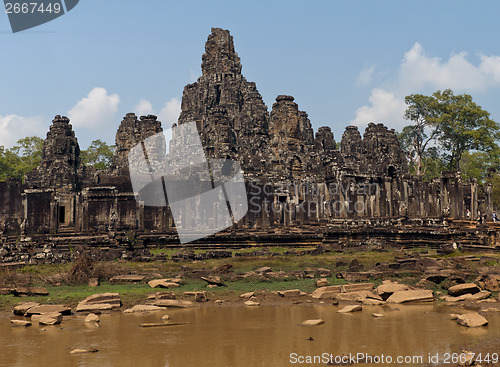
170,112
421,73
143,108
14,127
96,110
366,75
384,107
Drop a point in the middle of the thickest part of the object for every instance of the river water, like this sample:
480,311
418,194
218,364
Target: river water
243,336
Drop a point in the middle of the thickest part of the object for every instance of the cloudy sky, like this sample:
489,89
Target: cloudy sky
345,62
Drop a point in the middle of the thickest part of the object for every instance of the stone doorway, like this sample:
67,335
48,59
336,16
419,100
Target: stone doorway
62,215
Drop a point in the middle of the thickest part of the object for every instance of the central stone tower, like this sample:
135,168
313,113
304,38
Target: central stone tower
229,111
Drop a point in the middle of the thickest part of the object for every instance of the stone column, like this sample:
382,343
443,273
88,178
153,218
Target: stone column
54,214
140,215
388,197
473,199
488,203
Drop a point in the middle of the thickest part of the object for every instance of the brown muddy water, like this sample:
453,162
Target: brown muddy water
243,336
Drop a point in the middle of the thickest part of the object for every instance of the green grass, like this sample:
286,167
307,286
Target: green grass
133,293
130,293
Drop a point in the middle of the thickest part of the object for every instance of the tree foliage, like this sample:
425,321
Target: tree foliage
417,137
24,157
464,126
452,125
98,155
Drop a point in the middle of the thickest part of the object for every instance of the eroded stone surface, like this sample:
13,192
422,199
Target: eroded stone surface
472,319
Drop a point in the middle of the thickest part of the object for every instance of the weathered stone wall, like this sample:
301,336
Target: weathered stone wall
294,178
11,209
40,211
60,159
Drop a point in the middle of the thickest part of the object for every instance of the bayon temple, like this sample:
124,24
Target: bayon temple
298,181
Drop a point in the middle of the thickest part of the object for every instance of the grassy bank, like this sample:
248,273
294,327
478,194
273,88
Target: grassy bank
71,278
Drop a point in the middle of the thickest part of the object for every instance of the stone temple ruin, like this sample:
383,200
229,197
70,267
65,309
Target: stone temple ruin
302,186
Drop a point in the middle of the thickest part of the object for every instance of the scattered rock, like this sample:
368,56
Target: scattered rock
263,270
162,324
460,289
92,317
252,303
24,323
247,295
357,296
218,301
49,309
143,308
93,282
324,273
214,280
331,290
454,316
491,309
355,265
29,291
290,293
387,288
50,319
472,319
314,322
489,282
162,283
162,295
22,308
174,303
377,315
351,308
100,302
81,351
123,279
165,317
372,302
423,295
466,358
480,295
199,296
321,282
212,286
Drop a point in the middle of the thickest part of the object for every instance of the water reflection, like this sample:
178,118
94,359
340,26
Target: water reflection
238,336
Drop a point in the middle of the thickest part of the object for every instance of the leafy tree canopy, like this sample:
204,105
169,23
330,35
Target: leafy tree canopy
456,122
24,157
98,155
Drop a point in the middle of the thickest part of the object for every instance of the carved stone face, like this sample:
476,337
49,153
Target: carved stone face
60,146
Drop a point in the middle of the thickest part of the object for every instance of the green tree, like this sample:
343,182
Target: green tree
98,155
464,126
24,157
433,163
29,152
494,180
480,165
416,138
8,163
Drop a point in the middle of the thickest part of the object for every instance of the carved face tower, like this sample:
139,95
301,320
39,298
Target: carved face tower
229,111
60,158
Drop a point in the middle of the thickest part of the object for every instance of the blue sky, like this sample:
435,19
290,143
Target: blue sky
345,62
